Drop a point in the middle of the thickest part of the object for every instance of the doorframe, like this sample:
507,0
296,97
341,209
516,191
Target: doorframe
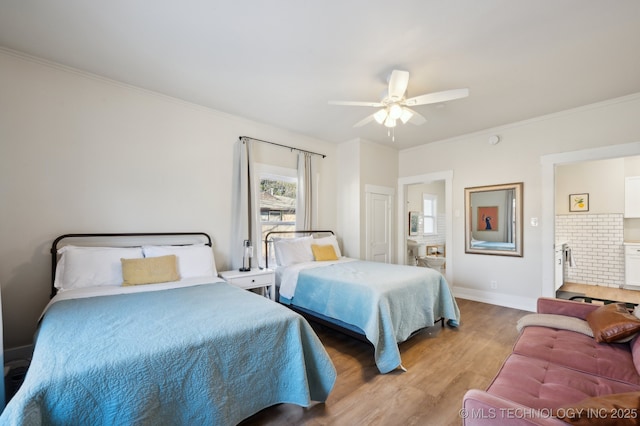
549,163
403,216
390,192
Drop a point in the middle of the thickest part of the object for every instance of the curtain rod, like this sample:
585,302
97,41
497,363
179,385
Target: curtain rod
283,146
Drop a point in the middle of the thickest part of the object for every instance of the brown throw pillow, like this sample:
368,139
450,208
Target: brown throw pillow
615,409
612,322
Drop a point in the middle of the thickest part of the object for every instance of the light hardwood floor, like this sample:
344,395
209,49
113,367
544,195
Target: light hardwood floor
442,364
611,293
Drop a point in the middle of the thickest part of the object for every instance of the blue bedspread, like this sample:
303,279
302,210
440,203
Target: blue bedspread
388,302
204,355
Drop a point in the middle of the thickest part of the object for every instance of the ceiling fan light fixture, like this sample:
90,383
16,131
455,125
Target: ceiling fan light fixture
380,116
395,111
390,122
405,116
394,105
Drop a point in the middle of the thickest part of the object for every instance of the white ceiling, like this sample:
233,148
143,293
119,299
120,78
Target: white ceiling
280,61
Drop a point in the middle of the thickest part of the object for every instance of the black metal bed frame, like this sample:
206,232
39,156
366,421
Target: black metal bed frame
309,315
115,236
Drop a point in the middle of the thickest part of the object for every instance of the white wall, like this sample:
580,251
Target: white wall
603,180
378,167
517,158
349,197
414,195
361,163
79,153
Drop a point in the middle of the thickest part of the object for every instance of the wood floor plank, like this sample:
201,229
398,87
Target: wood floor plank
603,292
442,364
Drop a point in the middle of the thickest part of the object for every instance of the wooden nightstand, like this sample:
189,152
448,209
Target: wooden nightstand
255,278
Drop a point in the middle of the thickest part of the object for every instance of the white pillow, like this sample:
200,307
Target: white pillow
193,260
329,240
293,250
80,267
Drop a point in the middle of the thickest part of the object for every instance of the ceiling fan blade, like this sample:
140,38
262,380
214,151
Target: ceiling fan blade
356,103
368,119
398,82
416,118
437,97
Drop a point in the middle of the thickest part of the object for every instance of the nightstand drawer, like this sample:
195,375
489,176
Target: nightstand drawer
252,281
255,278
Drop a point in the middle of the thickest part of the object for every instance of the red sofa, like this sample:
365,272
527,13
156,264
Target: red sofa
555,373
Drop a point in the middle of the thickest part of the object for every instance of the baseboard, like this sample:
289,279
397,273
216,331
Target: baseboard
493,298
18,353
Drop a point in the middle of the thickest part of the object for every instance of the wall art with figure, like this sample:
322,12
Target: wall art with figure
488,218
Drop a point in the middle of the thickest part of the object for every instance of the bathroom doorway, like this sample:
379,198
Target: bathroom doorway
407,202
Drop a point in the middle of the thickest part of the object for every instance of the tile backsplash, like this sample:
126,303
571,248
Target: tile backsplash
596,246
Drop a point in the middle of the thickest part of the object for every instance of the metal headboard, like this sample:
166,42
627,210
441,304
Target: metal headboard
268,240
134,239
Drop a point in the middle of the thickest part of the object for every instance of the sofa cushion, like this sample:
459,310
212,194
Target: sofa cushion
560,322
612,322
539,384
548,305
635,352
579,352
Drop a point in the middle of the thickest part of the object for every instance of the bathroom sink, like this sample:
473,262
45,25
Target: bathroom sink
418,248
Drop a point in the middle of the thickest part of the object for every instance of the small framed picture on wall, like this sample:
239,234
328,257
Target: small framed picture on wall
414,221
579,202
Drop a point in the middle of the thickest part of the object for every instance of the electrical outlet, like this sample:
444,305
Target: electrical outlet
494,285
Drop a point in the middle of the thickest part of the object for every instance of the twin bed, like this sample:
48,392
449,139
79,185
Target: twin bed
385,304
190,351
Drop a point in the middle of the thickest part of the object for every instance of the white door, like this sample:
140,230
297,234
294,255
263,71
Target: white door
378,235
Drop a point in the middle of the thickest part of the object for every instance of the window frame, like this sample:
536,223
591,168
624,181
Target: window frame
433,198
277,173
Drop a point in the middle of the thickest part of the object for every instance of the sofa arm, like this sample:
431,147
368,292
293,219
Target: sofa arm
480,408
548,305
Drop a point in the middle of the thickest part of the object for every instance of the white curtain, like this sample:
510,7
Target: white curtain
304,198
245,207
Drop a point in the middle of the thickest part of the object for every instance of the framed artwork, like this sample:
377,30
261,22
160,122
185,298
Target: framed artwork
414,219
579,202
488,218
501,207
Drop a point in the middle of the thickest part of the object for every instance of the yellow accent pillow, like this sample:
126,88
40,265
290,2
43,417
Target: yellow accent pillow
150,270
324,252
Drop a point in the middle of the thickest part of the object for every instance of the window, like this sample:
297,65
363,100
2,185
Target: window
429,214
277,189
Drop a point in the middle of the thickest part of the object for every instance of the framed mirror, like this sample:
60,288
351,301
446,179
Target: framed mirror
493,219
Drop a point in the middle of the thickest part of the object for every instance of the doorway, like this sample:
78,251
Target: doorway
549,164
403,216
378,226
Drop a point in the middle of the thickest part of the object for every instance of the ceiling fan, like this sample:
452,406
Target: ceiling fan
394,105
